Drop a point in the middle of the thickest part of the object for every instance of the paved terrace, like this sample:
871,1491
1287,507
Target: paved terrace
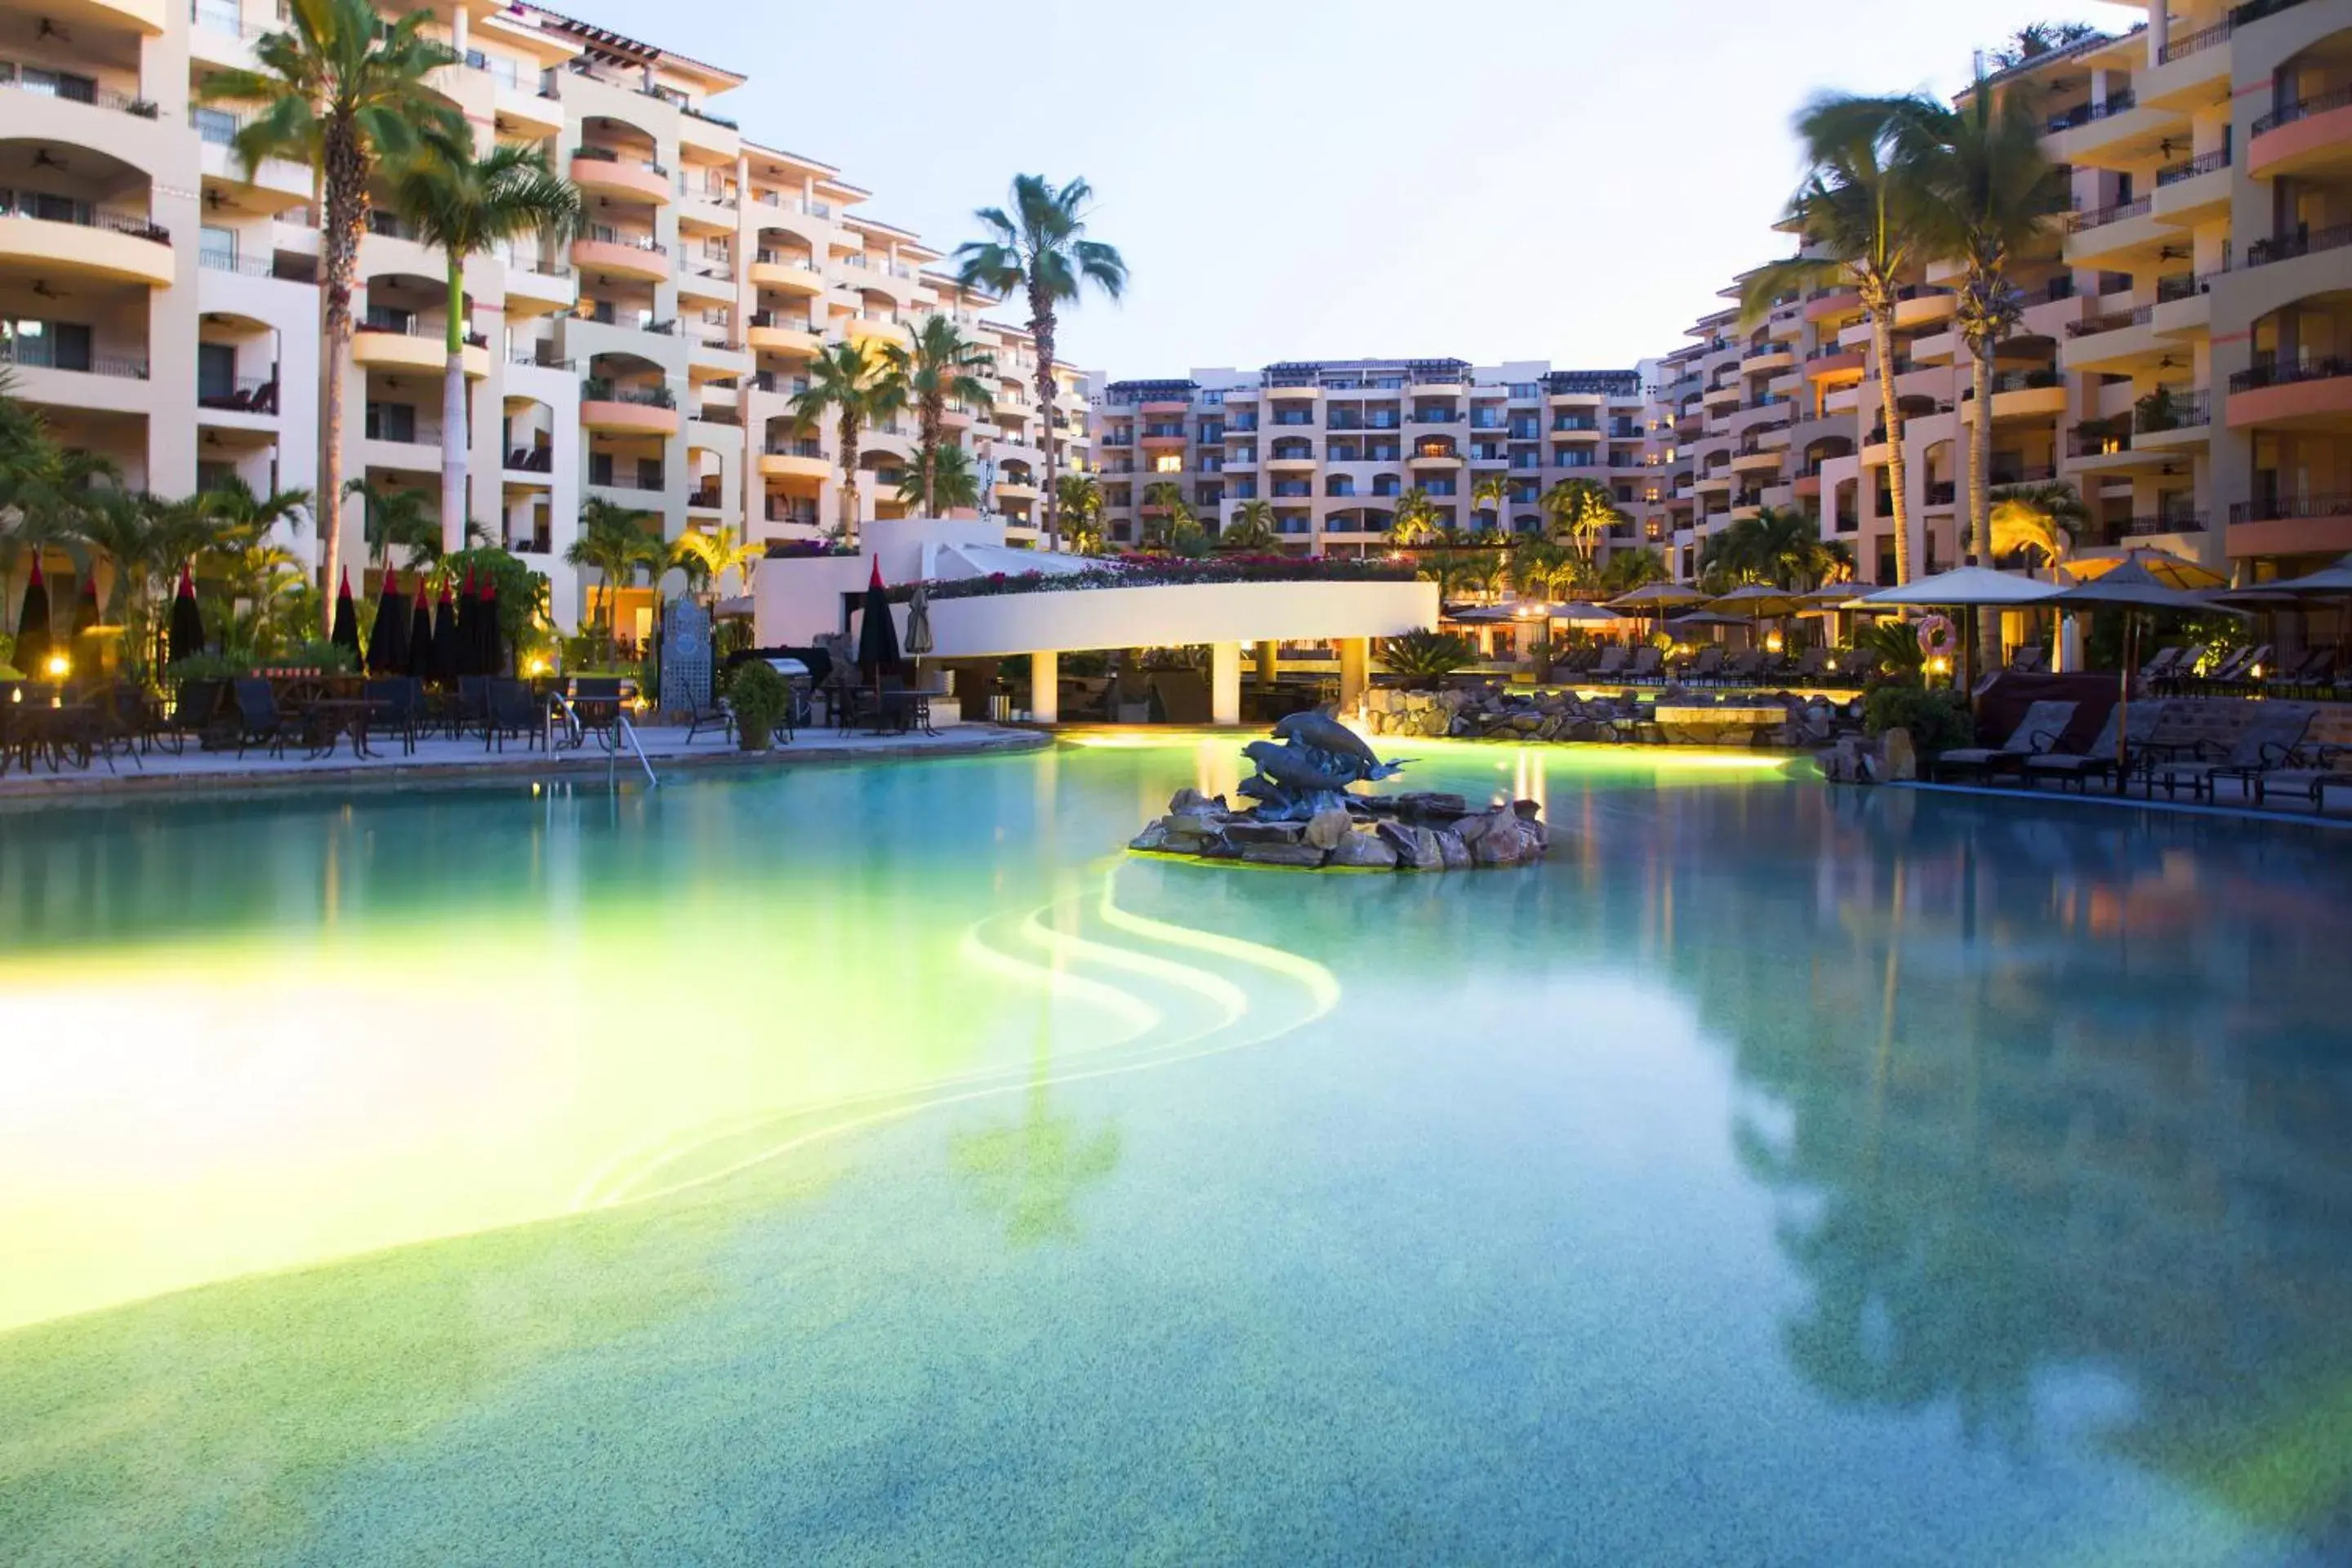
441,760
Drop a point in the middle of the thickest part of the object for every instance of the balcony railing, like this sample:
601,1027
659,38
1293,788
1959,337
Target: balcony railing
2188,44
593,389
2172,410
2291,372
81,215
2164,519
2099,217
2091,113
2304,109
2112,321
41,353
604,235
2094,440
2292,509
800,448
606,155
2303,242
2190,168
72,90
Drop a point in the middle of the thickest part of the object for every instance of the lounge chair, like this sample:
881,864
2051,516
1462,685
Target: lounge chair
1812,666
2309,668
1746,666
1704,665
2308,771
2097,760
260,722
2029,658
2035,733
1612,660
2266,742
1648,663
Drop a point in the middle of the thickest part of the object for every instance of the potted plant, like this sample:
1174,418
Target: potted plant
760,699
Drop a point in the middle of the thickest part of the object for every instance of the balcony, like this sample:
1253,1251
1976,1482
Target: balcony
395,341
2291,525
2166,520
644,258
58,237
42,354
2113,341
791,274
2194,189
2115,235
870,327
771,332
2311,392
799,459
2021,394
2312,136
627,410
607,173
2292,246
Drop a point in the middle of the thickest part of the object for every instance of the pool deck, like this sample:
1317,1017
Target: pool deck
437,761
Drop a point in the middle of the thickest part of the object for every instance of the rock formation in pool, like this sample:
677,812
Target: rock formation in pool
1307,815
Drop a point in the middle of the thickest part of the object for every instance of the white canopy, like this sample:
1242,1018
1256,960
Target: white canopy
1965,585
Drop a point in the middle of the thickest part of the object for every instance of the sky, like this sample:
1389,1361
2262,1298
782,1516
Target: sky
1561,180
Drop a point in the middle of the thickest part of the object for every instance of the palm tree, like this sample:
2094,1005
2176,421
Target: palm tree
1993,195
143,538
951,480
1417,519
1626,570
2042,520
613,543
343,92
2035,40
1250,528
1081,499
1859,212
394,519
464,205
1580,512
1454,571
1488,495
857,389
706,558
942,366
44,487
1166,495
1039,249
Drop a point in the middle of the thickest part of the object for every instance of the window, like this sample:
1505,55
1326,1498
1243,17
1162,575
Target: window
215,372
51,345
1168,463
217,247
391,422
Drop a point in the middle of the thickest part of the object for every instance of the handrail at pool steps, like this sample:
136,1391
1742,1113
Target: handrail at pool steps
628,731
558,702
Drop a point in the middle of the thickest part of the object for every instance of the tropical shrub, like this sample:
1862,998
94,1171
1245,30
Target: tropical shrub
1936,717
1889,651
1425,657
761,699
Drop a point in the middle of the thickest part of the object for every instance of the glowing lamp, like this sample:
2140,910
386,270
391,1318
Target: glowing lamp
1940,666
59,667
536,665
1771,642
2255,673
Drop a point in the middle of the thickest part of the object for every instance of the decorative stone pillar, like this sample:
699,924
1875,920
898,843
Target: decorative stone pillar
1225,683
1355,673
1045,688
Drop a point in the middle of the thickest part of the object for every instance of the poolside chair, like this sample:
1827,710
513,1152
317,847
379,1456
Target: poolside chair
2035,733
1745,666
2309,668
194,712
1706,665
2269,739
397,707
512,710
2097,760
1612,660
1812,666
1649,663
260,722
2029,658
2308,771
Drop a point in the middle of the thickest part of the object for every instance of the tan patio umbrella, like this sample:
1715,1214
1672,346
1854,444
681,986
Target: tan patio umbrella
1650,599
2165,569
1767,601
2131,586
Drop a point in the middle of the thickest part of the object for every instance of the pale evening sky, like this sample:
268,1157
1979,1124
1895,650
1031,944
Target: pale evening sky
1323,179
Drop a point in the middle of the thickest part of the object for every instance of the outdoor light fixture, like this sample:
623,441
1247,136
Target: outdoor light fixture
1771,642
59,667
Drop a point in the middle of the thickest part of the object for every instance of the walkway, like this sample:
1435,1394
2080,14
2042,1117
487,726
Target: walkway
440,760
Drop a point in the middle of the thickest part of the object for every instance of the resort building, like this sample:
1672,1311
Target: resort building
1333,444
160,302
2185,353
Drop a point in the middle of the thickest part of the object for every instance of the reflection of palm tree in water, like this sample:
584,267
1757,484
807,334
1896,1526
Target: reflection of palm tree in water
1031,1171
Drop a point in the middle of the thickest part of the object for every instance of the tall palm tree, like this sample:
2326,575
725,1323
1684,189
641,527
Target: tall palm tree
2043,520
1626,570
464,205
2035,40
614,543
706,558
1417,519
1488,495
1858,214
1993,196
394,519
1039,249
1580,512
856,387
942,366
950,482
343,92
1081,500
1250,528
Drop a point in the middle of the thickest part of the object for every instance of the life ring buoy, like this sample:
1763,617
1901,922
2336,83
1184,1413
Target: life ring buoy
1938,637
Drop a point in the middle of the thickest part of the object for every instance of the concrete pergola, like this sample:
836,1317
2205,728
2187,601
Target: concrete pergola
795,600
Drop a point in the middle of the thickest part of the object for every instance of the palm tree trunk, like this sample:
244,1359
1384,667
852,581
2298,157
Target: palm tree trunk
849,529
1980,491
930,438
1041,327
453,417
1881,346
345,181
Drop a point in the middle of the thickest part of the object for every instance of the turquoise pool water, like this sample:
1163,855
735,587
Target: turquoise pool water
865,1164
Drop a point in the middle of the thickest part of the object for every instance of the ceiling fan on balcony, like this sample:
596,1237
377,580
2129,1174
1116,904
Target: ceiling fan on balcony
49,29
42,289
45,159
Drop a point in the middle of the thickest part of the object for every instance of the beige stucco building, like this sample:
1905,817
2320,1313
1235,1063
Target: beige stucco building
160,304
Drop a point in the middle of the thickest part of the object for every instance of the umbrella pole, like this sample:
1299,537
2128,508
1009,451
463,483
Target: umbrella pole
2123,701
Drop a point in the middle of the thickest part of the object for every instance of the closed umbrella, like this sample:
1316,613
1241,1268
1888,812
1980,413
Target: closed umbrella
387,651
448,656
346,632
33,625
85,619
185,629
2133,587
919,625
493,650
469,628
878,637
418,654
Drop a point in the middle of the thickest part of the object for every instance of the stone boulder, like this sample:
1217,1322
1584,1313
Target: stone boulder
1417,849
1326,828
1246,833
1282,854
1369,851
1454,854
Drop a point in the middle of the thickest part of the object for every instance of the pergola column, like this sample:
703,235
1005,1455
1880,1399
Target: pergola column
1355,672
1045,688
1266,650
1225,683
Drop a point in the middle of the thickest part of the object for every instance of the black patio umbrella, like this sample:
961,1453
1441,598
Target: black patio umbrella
877,637
33,625
346,632
185,630
469,628
449,659
419,659
387,651
493,654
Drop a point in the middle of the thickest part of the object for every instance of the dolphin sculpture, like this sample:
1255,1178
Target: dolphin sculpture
1285,767
1317,728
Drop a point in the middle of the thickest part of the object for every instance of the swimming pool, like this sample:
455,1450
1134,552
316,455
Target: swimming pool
867,1163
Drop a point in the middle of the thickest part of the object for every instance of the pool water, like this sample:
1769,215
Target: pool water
874,1164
